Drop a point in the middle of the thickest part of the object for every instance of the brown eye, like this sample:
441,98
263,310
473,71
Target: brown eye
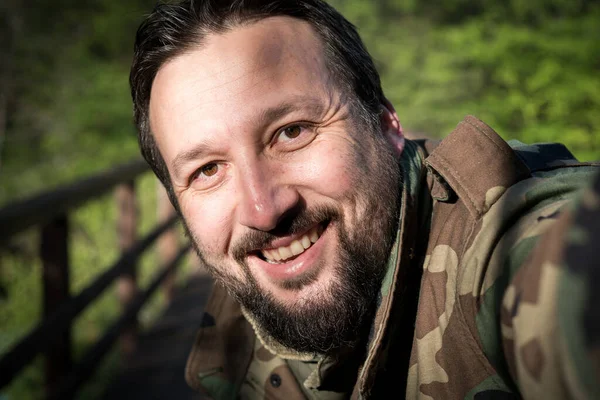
209,169
292,132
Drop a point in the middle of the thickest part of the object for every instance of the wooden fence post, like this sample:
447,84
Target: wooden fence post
54,253
127,234
168,243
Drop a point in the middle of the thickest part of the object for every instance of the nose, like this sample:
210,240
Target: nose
264,199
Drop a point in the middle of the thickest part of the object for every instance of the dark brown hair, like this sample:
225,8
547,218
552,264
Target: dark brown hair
174,28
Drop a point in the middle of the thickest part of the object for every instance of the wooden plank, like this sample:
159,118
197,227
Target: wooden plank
127,231
169,242
54,253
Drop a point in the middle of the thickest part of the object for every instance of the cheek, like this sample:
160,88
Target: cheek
209,220
328,169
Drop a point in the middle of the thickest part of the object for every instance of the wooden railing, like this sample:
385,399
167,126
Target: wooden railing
52,336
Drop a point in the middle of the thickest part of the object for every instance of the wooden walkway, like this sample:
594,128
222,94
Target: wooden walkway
155,371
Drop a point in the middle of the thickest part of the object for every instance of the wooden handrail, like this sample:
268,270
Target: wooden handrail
94,356
49,211
44,207
44,334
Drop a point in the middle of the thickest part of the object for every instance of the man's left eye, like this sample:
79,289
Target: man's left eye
290,132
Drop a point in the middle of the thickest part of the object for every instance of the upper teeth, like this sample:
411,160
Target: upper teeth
296,247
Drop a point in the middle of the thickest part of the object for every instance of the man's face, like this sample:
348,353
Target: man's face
290,201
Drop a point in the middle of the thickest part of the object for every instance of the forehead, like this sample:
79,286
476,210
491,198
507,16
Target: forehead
242,69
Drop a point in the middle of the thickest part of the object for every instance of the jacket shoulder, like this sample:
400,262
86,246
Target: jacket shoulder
492,199
474,164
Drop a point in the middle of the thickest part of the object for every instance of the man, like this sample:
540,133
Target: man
349,261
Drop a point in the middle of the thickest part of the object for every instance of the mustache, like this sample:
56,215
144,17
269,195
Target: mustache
299,222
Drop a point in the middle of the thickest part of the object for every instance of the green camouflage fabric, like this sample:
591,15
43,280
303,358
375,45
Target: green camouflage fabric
550,320
476,302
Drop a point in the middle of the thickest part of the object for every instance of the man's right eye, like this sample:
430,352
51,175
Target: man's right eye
205,174
209,169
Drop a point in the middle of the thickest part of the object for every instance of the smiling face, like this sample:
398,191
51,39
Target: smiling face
290,200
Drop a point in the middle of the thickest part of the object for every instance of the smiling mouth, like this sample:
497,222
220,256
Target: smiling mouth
284,254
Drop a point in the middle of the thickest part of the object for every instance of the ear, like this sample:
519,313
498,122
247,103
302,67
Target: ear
391,127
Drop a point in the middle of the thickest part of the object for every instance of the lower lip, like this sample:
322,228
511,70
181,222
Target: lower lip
299,265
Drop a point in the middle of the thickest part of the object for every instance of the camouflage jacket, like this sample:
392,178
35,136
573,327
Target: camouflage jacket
468,308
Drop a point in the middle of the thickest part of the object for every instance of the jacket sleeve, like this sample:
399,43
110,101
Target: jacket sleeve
550,313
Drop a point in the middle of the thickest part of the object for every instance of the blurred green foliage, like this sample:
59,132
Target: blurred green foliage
64,90
528,68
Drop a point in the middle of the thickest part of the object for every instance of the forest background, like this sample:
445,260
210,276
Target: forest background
529,68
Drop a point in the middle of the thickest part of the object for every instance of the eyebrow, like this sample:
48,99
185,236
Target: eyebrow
188,155
264,118
267,116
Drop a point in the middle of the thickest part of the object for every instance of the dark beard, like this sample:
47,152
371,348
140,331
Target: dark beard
334,321
339,319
